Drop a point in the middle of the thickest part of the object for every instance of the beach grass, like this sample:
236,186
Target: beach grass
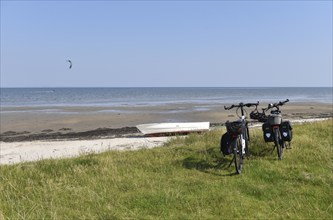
187,178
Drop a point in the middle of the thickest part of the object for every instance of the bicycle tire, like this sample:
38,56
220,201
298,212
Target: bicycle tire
238,155
278,143
247,140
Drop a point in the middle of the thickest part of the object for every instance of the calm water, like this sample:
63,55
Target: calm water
15,97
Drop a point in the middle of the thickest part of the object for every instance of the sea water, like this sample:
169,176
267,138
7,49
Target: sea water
108,97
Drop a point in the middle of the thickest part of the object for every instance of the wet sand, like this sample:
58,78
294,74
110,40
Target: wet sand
92,122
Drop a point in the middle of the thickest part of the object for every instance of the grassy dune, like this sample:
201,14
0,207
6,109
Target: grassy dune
187,178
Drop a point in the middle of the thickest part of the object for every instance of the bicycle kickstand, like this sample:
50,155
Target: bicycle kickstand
231,161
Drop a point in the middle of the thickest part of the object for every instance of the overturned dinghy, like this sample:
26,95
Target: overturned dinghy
173,128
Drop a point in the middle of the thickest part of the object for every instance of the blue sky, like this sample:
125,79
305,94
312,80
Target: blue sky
166,43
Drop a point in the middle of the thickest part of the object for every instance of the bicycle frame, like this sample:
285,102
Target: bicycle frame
240,139
275,120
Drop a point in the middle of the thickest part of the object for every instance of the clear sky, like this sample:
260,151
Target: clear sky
166,43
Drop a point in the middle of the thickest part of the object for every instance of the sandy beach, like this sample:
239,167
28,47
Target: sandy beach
39,133
16,152
78,119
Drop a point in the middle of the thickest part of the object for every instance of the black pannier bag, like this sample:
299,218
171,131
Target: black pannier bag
286,131
226,140
234,127
268,132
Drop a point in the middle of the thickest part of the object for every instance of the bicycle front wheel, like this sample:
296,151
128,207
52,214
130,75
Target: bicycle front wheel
247,139
238,155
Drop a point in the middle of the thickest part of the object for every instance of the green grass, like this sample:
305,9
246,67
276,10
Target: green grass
187,178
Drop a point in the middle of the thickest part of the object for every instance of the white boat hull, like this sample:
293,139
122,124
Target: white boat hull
167,128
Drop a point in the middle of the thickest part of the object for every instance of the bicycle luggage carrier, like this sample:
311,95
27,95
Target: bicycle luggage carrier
274,119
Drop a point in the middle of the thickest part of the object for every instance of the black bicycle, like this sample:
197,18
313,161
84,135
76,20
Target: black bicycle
274,128
236,139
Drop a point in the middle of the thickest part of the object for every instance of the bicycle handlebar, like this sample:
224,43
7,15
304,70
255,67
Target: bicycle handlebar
276,105
241,105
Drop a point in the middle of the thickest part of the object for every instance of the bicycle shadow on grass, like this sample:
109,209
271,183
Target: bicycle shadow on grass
264,151
209,161
213,162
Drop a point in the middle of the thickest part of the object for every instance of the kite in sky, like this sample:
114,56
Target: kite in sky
70,64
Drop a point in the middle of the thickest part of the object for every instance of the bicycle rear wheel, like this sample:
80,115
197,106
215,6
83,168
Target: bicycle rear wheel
238,155
278,143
